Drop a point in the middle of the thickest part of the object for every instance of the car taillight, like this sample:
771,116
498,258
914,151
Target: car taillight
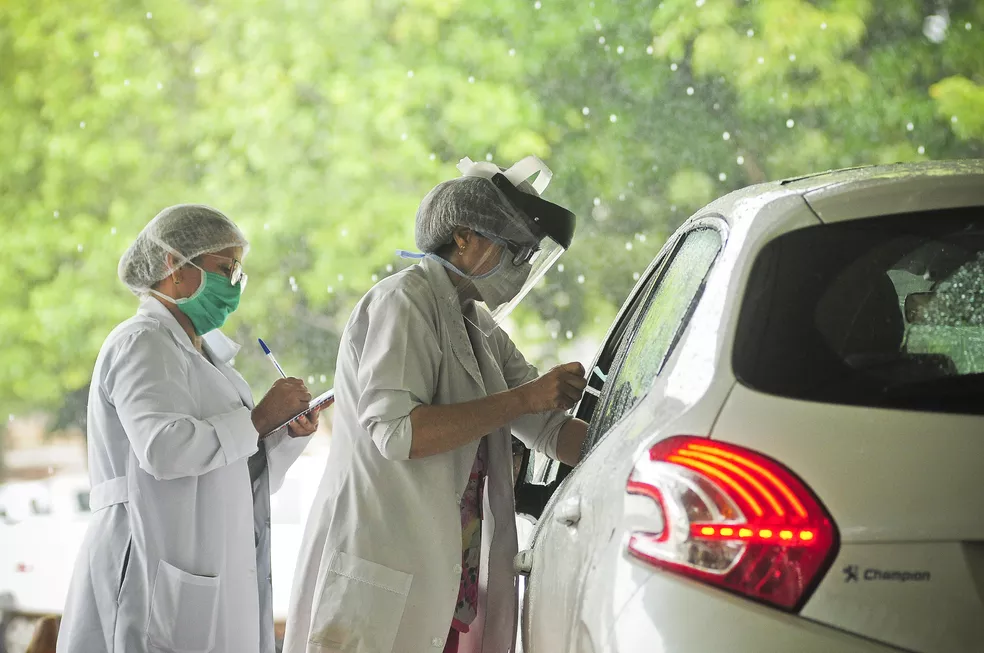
733,518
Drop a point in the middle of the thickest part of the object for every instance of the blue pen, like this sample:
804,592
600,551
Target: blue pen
269,354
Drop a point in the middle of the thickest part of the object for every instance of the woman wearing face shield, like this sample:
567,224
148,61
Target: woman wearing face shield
411,538
182,464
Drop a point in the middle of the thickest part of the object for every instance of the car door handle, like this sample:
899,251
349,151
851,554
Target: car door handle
523,562
569,511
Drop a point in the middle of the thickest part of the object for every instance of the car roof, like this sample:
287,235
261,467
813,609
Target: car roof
863,191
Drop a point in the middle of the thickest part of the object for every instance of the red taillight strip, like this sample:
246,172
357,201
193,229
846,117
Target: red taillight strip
740,472
780,536
717,473
647,490
782,487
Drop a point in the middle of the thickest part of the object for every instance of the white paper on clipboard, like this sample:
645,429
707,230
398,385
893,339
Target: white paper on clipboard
320,400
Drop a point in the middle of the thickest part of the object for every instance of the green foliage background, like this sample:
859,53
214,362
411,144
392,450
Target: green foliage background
318,126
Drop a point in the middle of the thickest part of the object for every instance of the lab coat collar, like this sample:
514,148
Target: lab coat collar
221,349
449,304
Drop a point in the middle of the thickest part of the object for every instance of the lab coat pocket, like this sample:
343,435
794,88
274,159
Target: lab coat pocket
360,607
183,610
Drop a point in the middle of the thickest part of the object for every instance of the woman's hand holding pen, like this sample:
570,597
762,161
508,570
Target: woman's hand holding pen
286,398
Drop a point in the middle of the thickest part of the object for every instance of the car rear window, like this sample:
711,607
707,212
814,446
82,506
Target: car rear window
882,312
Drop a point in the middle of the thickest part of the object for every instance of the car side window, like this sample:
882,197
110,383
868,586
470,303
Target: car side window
649,341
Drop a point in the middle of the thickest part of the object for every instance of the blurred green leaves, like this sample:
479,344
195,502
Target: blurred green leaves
318,127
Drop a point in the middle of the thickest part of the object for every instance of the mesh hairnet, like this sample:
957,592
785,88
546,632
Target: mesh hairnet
186,231
472,202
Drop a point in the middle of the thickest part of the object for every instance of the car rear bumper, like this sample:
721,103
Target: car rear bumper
676,615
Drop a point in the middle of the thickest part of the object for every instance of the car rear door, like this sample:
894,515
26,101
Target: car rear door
567,533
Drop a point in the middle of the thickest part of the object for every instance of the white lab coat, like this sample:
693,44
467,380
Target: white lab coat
171,560
380,562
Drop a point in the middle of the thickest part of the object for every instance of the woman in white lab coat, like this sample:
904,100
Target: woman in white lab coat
177,555
410,542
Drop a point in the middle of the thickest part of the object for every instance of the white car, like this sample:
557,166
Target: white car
786,450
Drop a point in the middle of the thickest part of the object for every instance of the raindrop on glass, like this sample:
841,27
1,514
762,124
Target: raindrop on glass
726,136
512,52
673,67
310,379
149,15
403,136
488,156
389,267
690,90
198,69
823,25
953,119
323,378
628,246
601,40
432,156
537,4
792,57
621,197
740,160
649,49
96,54
159,86
112,231
82,125
471,79
585,111
126,82
553,334
910,127
375,278
635,276
330,290
569,334
341,277
620,49
921,149
580,278
967,26
409,73
57,214
699,3
790,123
597,201
80,247
266,226
723,177
761,60
750,33
344,232
613,118
560,268
935,27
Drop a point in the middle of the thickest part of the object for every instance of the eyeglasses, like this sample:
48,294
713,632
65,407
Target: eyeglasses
521,253
235,272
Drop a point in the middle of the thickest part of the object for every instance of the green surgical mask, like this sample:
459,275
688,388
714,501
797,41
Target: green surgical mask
214,301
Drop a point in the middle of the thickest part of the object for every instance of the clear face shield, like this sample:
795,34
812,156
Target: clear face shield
523,250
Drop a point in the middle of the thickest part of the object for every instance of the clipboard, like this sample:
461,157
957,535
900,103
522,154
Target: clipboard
320,400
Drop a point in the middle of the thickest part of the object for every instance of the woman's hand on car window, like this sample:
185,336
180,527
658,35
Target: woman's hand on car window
559,389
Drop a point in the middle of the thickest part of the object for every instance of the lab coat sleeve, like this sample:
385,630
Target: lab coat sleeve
282,450
398,370
538,431
147,382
